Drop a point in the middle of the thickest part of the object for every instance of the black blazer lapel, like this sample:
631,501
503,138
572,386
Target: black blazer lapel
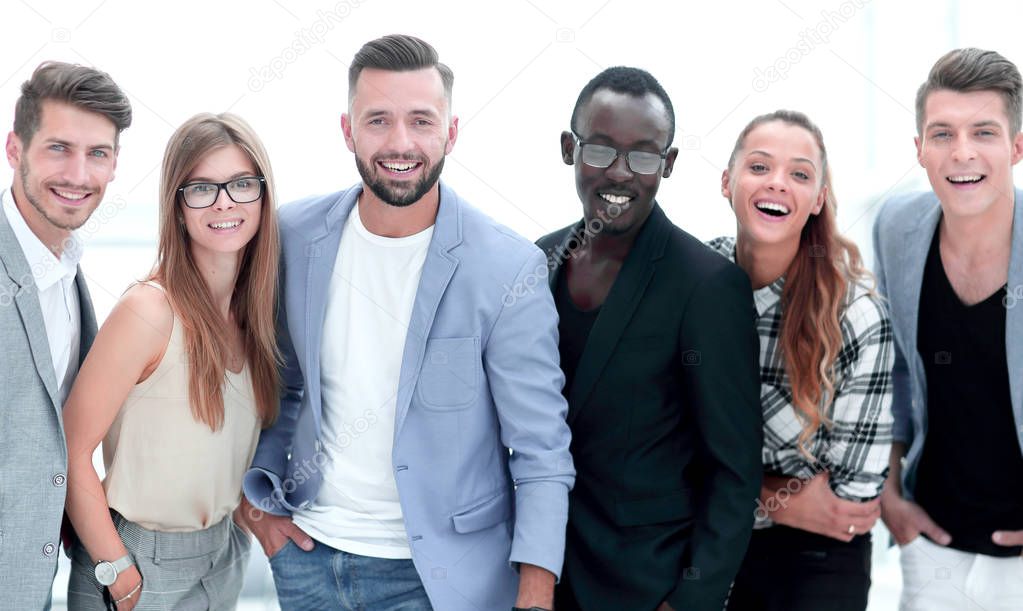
617,311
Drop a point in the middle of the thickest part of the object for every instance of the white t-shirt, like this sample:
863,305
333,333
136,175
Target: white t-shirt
369,305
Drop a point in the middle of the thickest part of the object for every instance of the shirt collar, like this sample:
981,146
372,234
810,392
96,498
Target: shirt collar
765,297
47,270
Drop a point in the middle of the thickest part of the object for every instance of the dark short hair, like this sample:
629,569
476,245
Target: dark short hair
632,81
967,70
82,87
398,53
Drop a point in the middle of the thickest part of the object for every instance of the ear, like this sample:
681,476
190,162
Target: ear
669,162
568,148
726,189
919,151
822,197
14,150
346,129
1017,148
452,135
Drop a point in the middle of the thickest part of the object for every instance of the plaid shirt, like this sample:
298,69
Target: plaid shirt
855,448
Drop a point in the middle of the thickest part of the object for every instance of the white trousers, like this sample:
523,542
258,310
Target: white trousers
936,578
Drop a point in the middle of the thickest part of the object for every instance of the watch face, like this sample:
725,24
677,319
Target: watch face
106,574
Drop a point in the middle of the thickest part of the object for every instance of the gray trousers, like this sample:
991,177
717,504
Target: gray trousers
182,571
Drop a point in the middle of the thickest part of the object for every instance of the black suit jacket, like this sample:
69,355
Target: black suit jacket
666,427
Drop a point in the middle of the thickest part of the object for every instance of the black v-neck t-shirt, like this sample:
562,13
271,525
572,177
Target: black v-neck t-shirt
970,477
574,327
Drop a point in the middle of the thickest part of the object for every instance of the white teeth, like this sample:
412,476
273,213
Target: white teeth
69,195
615,199
772,206
399,167
966,178
225,225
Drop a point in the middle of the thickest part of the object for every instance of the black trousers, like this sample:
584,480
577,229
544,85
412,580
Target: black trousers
787,569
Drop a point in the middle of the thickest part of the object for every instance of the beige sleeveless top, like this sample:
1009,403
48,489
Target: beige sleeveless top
167,471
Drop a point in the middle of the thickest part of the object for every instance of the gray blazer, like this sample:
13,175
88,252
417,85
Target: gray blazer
902,237
33,451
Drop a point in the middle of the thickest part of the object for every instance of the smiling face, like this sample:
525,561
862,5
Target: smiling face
775,183
620,198
224,227
400,130
968,151
63,171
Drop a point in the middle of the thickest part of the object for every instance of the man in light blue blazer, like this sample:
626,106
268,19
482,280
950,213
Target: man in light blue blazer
63,150
420,346
950,261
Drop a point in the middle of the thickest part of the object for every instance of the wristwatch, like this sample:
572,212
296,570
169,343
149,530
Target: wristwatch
107,572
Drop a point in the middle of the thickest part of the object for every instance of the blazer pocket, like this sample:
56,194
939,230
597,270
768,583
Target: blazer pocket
674,507
449,377
490,512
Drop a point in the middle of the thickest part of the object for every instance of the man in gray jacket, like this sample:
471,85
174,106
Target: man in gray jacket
63,150
950,262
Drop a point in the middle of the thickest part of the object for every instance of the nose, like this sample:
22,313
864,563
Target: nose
223,201
619,170
76,170
962,149
776,181
398,137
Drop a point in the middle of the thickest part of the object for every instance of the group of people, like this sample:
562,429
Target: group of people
381,388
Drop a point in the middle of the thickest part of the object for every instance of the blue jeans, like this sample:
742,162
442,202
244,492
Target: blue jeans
326,578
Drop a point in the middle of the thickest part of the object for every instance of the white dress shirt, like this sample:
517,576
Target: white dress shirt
58,296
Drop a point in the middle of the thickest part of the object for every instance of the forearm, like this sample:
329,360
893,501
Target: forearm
89,513
893,485
536,587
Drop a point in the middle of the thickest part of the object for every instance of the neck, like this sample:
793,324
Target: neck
979,237
764,263
606,245
220,273
50,235
383,219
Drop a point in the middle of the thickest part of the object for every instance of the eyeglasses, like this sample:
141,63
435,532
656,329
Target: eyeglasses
602,156
243,190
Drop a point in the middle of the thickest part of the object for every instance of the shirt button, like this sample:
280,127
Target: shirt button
49,549
59,479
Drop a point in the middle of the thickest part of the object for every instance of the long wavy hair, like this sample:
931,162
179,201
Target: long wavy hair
814,296
254,299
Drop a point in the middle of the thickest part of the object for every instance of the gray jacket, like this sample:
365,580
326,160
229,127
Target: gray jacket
902,237
33,451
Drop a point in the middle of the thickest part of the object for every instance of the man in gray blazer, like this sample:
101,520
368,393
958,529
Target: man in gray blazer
63,150
950,262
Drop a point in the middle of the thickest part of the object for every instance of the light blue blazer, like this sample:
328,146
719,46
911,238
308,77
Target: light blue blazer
479,376
902,237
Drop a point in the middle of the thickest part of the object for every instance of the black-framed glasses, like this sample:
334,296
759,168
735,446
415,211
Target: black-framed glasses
602,156
241,190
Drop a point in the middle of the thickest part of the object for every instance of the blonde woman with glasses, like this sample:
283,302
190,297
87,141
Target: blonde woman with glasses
179,382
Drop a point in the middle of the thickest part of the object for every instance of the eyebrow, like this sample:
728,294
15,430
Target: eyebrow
68,144
424,112
603,138
232,177
985,123
770,156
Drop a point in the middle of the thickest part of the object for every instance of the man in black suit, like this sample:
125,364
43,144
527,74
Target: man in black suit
659,352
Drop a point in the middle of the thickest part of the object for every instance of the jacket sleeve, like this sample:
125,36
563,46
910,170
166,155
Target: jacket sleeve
721,375
902,399
523,371
262,483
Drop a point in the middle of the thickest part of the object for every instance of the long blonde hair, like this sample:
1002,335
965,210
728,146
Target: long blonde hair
253,302
814,295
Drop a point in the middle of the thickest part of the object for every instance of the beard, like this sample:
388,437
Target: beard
394,195
67,223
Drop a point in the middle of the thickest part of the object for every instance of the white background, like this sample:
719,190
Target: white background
519,66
